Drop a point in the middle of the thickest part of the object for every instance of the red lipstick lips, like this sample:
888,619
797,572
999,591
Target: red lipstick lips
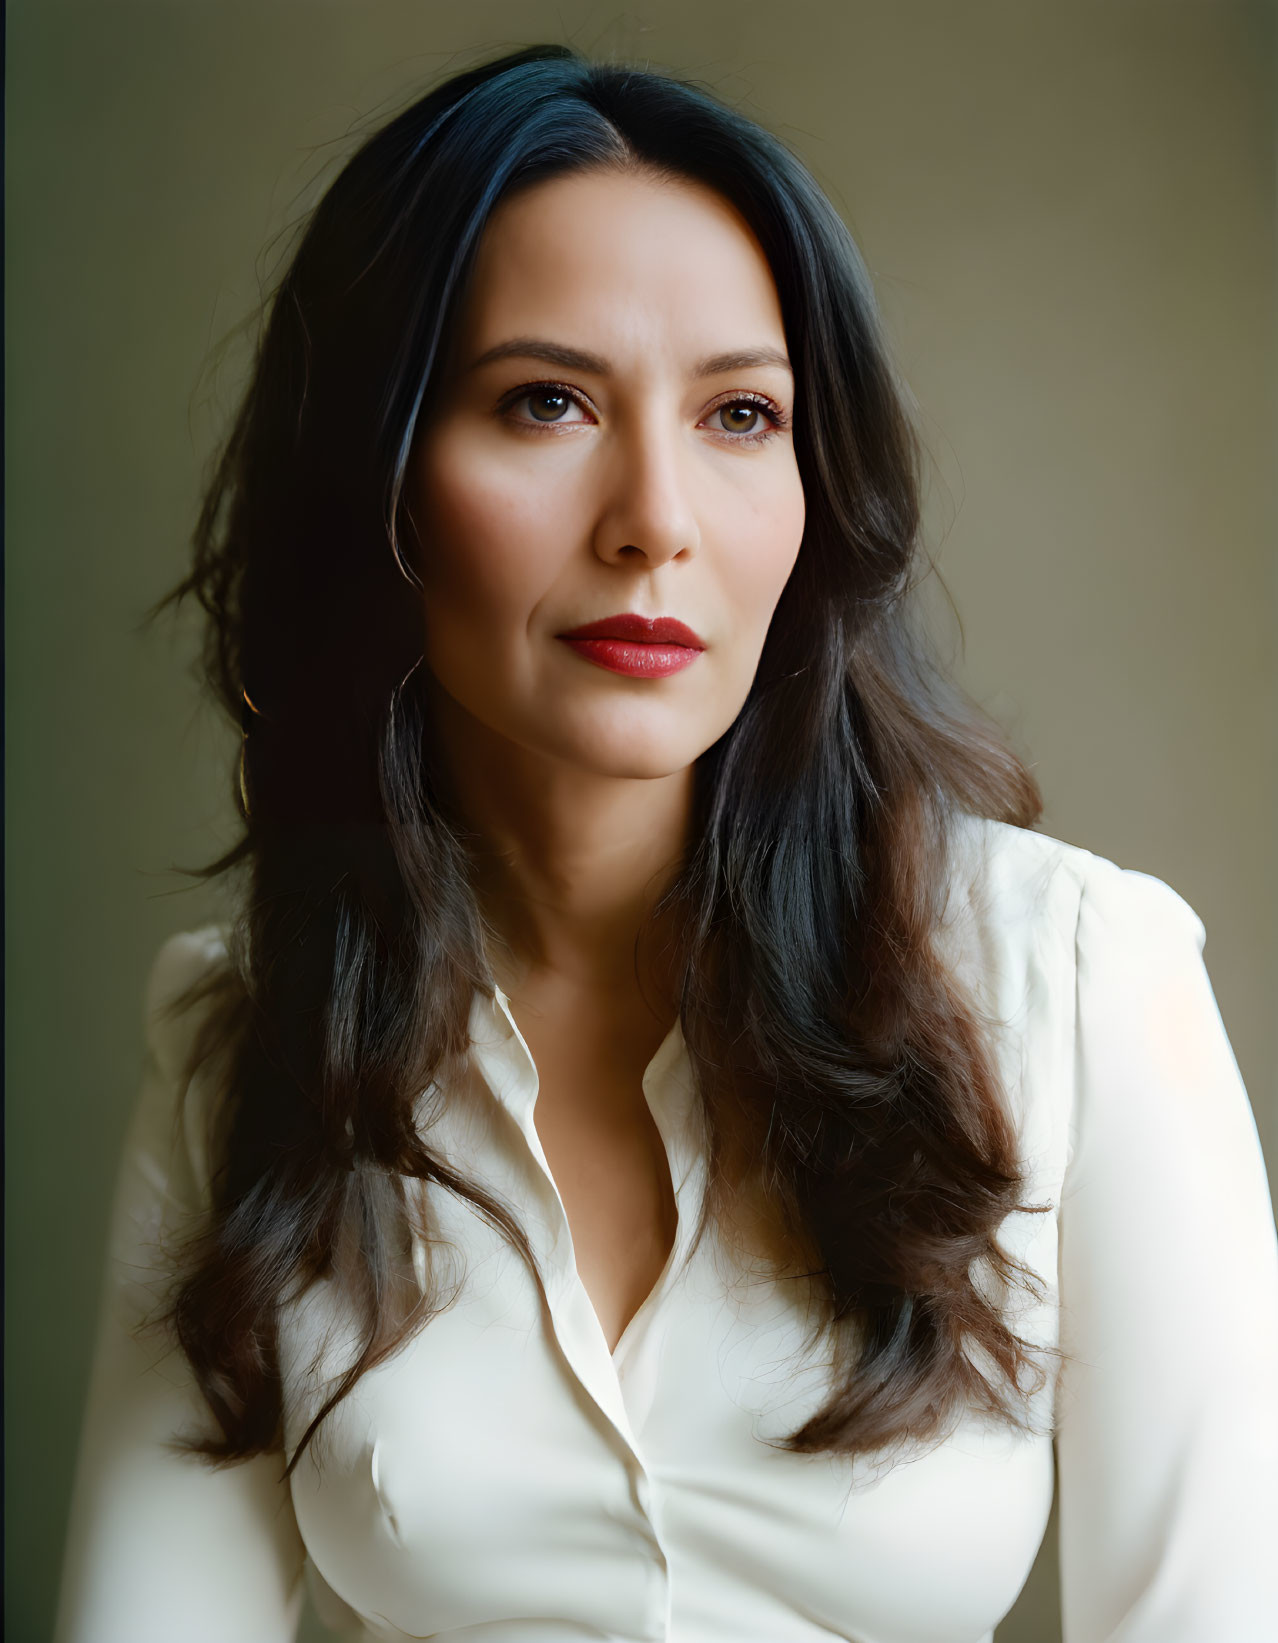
645,647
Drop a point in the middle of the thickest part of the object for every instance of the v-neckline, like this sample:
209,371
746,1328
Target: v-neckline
657,1079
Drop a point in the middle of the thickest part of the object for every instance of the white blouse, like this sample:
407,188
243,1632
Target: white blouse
505,1478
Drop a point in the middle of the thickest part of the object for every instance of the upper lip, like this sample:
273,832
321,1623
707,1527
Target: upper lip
650,630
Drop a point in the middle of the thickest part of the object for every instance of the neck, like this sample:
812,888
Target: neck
569,865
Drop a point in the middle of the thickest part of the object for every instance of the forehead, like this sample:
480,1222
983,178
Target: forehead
623,262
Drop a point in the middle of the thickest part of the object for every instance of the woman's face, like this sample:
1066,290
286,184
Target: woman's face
613,437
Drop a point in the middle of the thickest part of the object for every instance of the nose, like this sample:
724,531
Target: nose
649,514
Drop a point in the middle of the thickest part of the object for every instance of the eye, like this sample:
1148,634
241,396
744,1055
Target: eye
548,403
744,419
747,419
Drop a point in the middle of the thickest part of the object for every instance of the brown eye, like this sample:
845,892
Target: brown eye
739,418
548,405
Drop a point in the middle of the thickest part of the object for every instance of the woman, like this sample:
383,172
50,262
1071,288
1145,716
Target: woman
657,1082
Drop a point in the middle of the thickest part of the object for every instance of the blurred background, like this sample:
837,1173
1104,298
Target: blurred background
1069,212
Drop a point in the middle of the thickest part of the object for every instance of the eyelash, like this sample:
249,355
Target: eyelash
780,420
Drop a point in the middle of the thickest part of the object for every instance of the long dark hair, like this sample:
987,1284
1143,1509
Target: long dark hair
847,1086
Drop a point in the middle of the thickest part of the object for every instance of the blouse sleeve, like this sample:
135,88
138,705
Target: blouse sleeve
1167,1421
160,1544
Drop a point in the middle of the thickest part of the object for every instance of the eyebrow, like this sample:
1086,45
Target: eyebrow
578,359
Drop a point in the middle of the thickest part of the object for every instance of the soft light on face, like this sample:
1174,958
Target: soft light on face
611,438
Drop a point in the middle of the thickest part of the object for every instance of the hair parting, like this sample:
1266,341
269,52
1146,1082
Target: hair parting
849,1096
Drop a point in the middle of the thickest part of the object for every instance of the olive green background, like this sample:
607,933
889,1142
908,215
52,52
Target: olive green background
1068,210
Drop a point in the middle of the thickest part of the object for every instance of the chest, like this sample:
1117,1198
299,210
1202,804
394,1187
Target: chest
477,1484
605,1154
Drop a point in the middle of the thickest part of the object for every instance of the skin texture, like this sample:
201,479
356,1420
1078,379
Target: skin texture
548,495
648,490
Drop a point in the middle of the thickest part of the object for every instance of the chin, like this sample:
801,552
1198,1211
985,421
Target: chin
633,753
626,761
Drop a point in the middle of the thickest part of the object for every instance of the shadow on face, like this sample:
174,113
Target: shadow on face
613,435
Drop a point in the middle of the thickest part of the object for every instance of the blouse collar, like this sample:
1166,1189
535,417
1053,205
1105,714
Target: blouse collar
508,1068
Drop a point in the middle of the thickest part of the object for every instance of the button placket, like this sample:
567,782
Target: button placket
508,1068
507,1065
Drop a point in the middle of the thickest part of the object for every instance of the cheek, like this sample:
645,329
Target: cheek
760,545
490,544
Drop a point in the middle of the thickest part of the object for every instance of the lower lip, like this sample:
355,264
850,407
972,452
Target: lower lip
640,661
